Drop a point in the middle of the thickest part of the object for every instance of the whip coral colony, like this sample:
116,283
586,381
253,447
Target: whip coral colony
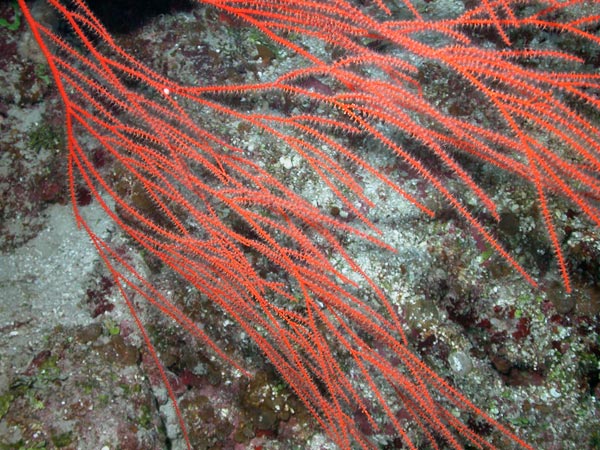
271,258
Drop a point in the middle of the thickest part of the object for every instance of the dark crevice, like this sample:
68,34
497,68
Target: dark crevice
125,16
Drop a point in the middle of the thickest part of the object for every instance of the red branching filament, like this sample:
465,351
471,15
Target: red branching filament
191,174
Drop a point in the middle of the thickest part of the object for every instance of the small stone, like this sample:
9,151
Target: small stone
501,364
460,363
286,162
564,303
89,333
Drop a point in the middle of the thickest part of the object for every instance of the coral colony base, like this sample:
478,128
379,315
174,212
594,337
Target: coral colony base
354,208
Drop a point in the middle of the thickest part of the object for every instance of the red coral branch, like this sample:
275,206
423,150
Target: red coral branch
192,174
